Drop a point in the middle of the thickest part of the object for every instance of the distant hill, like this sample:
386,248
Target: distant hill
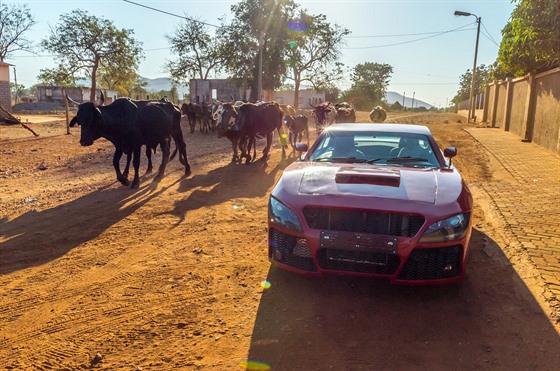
393,97
163,83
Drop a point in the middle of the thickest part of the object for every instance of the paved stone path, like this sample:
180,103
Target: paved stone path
529,201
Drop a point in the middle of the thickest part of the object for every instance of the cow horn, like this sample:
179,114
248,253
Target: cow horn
71,100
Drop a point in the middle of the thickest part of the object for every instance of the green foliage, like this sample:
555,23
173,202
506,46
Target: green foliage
531,40
482,78
198,52
15,21
313,51
332,92
86,43
59,76
369,85
257,23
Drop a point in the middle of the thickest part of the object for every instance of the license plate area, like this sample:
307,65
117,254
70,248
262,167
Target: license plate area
358,247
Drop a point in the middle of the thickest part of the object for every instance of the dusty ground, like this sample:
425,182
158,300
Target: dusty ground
175,275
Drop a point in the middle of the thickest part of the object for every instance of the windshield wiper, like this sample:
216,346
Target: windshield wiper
400,160
353,159
373,160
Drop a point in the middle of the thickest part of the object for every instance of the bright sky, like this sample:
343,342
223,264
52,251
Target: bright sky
406,34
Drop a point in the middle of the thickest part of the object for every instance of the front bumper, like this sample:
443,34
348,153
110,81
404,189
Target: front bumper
407,263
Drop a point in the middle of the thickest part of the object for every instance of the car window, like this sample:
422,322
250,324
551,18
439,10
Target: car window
401,149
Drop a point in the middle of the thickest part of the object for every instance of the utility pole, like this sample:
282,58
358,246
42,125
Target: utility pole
471,100
17,86
413,94
403,95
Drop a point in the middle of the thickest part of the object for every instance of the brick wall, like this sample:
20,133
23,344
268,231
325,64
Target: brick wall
5,96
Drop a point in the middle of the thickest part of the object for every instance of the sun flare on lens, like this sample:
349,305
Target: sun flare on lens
255,366
265,284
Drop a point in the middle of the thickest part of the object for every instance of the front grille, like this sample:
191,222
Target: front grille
427,264
286,244
361,221
358,261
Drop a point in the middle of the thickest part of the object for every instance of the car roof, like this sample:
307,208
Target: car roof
387,128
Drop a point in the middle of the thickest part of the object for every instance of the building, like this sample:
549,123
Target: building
306,97
47,93
221,89
226,90
5,94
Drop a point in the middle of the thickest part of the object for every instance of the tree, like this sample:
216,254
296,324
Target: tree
59,76
482,78
531,39
313,53
369,84
86,43
198,52
257,25
15,21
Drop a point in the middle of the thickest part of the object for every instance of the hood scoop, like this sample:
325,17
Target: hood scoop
373,177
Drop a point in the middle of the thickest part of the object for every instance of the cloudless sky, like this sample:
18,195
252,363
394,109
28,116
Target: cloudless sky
401,33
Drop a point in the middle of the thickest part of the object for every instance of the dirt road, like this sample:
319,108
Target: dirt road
175,275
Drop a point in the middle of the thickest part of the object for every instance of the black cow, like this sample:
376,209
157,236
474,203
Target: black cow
205,117
259,121
227,126
129,126
193,112
325,114
297,126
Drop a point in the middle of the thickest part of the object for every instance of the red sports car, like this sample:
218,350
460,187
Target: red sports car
380,200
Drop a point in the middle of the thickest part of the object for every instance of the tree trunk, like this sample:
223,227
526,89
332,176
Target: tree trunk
297,82
94,80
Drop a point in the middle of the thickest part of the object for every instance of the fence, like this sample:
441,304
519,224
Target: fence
527,106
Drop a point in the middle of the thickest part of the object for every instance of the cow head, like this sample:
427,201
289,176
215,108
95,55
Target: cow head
89,119
226,117
289,121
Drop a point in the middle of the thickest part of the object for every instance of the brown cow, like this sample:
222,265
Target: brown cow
378,114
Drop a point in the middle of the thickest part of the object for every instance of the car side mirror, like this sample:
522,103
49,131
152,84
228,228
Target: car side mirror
301,147
450,152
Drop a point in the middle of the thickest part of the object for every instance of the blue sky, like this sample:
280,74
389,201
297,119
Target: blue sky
424,63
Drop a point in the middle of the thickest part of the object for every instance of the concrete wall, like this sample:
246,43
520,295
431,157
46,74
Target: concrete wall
517,123
546,120
5,96
528,107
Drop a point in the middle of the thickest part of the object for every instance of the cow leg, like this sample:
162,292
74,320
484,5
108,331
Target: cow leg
266,149
192,124
245,147
136,163
234,144
149,157
164,145
116,164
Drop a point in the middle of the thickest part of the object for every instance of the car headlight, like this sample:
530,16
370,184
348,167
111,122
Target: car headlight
450,229
280,214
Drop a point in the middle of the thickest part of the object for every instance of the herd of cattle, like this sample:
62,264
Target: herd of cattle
130,124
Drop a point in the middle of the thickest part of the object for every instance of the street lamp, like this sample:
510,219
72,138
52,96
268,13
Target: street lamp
471,100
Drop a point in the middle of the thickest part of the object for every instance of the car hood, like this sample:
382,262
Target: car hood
387,182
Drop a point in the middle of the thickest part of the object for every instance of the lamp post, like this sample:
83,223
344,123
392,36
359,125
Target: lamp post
471,100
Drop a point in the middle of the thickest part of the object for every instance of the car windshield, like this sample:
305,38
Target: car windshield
395,149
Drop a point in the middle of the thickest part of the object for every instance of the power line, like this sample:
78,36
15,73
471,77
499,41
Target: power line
489,37
407,34
411,41
171,14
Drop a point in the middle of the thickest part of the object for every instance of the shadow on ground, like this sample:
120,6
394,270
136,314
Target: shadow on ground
488,321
